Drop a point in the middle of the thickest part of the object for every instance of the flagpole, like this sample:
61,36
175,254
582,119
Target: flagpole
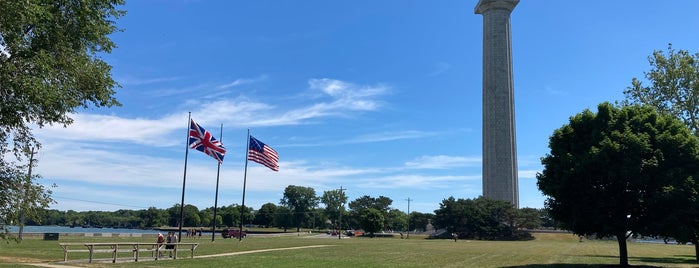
184,177
218,172
245,175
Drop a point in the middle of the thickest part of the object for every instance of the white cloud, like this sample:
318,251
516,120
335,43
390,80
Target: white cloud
237,112
332,87
411,181
348,96
242,81
94,127
389,136
527,174
443,162
96,153
131,81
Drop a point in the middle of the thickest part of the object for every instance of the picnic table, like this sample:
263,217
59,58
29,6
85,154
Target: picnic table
156,249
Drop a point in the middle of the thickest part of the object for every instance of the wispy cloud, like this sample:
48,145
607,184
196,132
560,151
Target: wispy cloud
443,162
423,182
554,91
92,151
131,81
94,127
242,81
348,96
241,112
439,68
334,98
390,136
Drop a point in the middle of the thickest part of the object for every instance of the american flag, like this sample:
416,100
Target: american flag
263,154
202,140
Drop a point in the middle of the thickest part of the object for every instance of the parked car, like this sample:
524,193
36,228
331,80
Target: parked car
230,233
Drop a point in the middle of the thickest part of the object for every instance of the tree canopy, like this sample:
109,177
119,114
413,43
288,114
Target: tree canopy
371,221
50,62
300,200
265,215
673,89
361,204
49,65
482,218
606,170
334,201
674,86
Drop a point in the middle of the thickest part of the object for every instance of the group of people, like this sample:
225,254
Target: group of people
193,232
169,242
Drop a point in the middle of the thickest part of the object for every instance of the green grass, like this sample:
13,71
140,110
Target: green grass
547,250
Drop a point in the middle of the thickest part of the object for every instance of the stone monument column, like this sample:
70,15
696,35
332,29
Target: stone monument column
499,142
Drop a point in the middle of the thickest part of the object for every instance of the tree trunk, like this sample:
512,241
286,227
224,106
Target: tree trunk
623,252
696,249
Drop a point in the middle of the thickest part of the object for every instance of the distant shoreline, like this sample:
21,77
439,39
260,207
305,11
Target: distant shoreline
67,229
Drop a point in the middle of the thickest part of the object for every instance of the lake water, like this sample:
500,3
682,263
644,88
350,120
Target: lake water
65,229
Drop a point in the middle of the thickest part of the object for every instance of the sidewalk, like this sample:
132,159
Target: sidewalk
63,265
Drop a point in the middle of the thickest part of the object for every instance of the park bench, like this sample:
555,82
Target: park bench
134,248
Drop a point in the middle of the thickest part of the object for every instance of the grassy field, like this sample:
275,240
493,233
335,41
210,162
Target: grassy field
547,250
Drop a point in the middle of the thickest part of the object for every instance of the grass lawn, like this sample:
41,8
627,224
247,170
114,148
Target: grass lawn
547,250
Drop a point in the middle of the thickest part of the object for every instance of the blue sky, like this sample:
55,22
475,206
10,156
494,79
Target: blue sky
378,97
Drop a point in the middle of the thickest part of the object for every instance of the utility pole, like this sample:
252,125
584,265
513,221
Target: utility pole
27,184
339,225
408,216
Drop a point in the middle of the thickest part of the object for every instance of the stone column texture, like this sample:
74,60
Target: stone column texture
499,140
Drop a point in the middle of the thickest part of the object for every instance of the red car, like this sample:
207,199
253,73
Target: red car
230,233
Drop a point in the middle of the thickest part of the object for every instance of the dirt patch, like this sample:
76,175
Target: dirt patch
7,259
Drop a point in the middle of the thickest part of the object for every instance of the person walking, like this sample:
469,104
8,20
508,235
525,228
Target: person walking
159,244
171,240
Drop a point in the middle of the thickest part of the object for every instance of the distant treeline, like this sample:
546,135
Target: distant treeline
468,218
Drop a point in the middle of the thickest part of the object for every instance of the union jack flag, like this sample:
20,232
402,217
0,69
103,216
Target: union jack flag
202,140
263,154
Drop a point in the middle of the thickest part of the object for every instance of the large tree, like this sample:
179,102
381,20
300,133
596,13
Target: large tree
359,205
49,65
334,201
674,89
674,86
21,198
419,220
371,221
606,170
300,200
481,218
265,215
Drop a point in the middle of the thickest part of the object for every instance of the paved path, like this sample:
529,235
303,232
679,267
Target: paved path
51,265
257,251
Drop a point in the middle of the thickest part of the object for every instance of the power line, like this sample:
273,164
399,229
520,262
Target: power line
98,202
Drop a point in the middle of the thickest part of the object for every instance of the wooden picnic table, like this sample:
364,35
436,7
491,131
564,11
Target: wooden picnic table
133,247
